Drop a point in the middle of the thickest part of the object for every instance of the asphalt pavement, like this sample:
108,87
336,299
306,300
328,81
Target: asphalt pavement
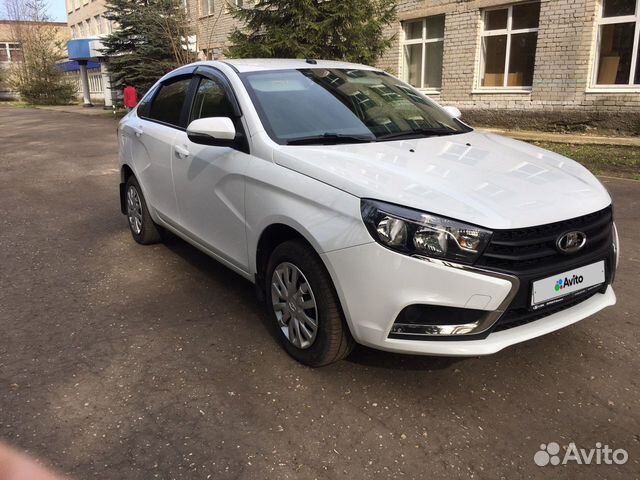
119,361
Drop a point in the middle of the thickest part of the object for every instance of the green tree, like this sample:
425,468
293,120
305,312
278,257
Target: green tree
37,77
350,30
151,39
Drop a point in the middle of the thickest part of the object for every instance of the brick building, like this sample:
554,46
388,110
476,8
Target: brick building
540,59
11,49
214,24
86,18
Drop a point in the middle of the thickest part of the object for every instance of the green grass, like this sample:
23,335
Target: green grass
609,160
15,104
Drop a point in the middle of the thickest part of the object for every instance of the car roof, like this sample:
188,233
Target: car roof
265,64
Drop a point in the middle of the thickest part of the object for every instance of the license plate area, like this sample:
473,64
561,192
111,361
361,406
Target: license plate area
568,284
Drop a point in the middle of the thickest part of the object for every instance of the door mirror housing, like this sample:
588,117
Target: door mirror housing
217,131
453,111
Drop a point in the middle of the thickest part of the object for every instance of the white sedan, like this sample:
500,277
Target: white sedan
364,211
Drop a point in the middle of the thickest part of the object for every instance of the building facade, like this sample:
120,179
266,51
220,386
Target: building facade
86,18
214,23
525,56
11,50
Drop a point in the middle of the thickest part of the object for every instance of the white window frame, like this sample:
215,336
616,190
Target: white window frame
210,8
635,53
5,46
420,41
509,31
232,4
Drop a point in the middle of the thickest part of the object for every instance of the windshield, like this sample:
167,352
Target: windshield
325,106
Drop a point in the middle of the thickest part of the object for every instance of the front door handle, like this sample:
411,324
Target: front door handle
181,151
137,130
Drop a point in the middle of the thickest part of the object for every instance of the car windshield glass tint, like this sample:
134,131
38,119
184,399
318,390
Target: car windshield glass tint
334,105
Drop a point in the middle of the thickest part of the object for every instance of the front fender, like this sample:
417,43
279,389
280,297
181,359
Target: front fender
328,218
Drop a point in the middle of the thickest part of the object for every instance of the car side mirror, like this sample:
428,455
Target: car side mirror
453,111
217,131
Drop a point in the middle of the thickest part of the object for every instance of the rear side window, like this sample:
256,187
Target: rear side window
211,100
168,102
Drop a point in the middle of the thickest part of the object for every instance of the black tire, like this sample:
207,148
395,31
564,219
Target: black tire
149,232
333,340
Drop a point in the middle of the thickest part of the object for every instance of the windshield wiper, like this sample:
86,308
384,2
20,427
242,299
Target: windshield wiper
330,139
419,132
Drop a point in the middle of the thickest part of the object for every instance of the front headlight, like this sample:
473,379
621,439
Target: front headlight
417,233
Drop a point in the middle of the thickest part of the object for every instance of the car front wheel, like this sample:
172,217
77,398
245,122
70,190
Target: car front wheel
302,302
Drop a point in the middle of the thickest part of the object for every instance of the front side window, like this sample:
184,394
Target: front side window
422,52
509,40
618,43
167,104
320,106
211,100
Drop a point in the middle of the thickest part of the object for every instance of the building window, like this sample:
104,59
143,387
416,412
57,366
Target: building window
15,52
619,43
4,52
509,39
422,52
10,52
206,7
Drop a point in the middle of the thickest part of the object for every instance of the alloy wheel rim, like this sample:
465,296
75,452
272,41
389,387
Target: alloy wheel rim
294,305
134,210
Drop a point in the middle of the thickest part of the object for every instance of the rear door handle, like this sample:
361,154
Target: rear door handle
137,130
181,151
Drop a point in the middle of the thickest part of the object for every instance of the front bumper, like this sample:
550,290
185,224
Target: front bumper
375,284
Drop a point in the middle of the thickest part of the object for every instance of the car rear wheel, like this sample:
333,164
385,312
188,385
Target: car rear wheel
143,228
303,304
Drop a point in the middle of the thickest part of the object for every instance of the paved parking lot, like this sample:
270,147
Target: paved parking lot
119,361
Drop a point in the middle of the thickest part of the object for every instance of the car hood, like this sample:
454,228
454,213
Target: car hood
478,177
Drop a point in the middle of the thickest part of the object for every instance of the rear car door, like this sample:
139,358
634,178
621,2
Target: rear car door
155,127
209,180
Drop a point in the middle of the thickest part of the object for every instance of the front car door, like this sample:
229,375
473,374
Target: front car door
154,129
209,181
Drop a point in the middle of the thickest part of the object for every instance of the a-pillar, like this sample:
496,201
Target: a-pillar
84,79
